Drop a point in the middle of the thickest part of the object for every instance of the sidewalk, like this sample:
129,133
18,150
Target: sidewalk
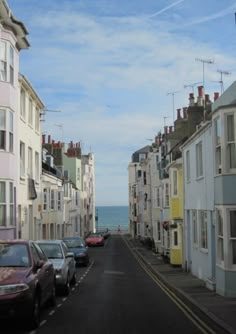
219,310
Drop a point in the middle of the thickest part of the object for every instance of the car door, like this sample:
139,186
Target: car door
69,260
41,274
50,273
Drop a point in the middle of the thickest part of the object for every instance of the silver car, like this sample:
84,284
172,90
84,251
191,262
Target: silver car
63,262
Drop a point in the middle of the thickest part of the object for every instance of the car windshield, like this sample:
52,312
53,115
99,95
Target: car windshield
95,235
14,255
74,243
53,251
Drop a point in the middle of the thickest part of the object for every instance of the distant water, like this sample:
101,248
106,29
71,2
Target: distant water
112,216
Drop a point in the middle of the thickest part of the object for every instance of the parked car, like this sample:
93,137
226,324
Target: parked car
27,281
78,246
95,239
63,262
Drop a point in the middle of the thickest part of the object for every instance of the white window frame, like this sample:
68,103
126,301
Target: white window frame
195,227
3,130
22,103
37,169
199,160
45,199
188,171
220,236
218,145
230,143
30,111
22,159
52,199
11,131
175,182
3,203
30,162
3,60
167,194
37,119
7,198
11,65
202,216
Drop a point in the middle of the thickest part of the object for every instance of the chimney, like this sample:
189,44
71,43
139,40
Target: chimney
170,129
200,96
178,114
207,98
49,139
71,144
216,95
185,112
43,139
191,99
166,130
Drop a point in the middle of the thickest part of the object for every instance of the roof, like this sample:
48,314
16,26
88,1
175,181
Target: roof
227,98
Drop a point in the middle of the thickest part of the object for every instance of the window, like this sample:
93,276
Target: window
218,144
77,198
230,142
11,203
188,166
45,199
10,131
11,65
3,203
144,178
30,112
195,227
203,229
52,199
22,159
36,166
30,162
167,195
142,157
78,173
59,200
175,182
199,161
2,129
3,61
37,119
220,236
22,103
175,239
158,197
159,230
232,236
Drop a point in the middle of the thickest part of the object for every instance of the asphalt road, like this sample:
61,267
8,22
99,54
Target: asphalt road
114,295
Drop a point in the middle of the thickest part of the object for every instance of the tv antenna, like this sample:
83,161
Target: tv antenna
173,102
204,61
192,85
221,78
43,112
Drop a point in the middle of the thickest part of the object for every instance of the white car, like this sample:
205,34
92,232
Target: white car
63,262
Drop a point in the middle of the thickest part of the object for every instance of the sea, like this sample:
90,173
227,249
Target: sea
111,217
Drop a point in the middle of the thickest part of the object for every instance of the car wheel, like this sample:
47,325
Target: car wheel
34,320
52,299
67,286
74,279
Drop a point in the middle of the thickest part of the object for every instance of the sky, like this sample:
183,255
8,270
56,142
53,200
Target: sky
117,70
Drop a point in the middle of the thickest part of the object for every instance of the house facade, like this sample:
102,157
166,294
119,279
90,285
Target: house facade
13,39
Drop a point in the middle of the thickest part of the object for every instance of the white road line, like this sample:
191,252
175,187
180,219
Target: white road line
59,305
64,299
52,312
73,289
32,332
42,323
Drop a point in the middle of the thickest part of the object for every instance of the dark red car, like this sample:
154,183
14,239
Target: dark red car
95,239
27,281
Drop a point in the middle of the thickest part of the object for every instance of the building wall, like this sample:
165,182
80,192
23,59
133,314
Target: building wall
199,196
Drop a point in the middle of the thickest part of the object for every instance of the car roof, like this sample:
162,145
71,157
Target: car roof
72,238
49,241
15,241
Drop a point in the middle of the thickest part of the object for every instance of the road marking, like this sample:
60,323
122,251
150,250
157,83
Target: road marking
64,299
59,305
52,312
42,323
200,324
73,289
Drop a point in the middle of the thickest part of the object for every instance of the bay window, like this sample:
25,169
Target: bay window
7,63
3,61
232,235
3,203
218,143
230,142
10,131
220,236
2,129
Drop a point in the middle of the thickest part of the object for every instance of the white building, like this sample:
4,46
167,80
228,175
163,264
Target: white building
30,160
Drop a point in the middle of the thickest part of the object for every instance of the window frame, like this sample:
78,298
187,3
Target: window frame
199,160
203,225
195,228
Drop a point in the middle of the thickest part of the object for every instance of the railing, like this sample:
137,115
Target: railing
113,229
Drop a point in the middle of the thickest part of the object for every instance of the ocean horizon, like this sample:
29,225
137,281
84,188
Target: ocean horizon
111,217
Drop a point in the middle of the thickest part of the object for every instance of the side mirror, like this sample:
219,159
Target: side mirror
70,254
39,264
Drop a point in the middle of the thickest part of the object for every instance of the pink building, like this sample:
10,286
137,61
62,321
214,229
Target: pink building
12,41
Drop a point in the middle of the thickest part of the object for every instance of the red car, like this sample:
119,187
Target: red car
95,239
27,281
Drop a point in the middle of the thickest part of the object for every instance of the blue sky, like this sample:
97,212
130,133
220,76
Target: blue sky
109,66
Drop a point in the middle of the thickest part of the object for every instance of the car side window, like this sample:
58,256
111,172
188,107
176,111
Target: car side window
35,254
41,254
65,249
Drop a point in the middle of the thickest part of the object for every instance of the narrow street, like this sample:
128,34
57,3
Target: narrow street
114,295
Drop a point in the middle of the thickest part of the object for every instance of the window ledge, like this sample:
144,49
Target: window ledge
199,178
22,178
204,250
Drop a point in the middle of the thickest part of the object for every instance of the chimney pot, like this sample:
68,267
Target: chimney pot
178,114
49,139
191,99
216,95
170,129
165,130
200,91
44,139
185,112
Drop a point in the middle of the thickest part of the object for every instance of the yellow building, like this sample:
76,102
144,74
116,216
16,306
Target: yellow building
176,212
